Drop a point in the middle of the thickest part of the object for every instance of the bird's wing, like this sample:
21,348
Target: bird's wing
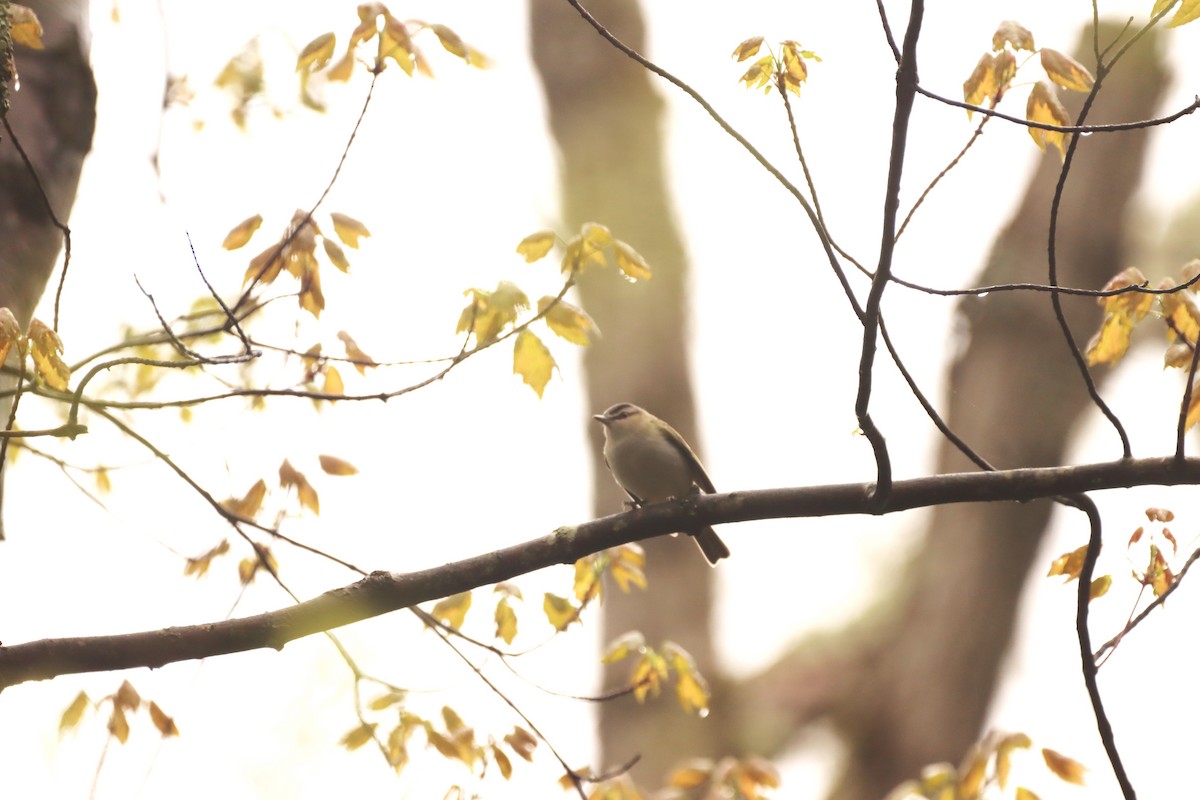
699,476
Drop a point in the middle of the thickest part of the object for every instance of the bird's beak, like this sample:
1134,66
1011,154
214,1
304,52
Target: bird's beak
603,420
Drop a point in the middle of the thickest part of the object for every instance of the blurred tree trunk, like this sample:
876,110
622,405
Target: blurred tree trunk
606,118
911,686
53,116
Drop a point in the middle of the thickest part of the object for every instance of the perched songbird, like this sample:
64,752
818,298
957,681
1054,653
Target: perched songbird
652,463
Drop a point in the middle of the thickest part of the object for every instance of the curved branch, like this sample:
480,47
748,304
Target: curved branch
1115,127
1083,599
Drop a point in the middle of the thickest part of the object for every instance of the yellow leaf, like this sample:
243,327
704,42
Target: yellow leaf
1180,312
348,229
536,245
290,477
1188,11
692,692
560,612
491,312
1159,575
199,565
127,696
691,773
336,466
442,744
25,29
760,75
344,68
450,40
10,332
247,506
522,742
626,567
118,725
1013,33
532,361
981,85
387,700
795,70
1004,755
624,645
316,54
761,771
587,585
631,262
74,713
1045,107
1004,68
1025,794
1099,587
1065,768
748,48
241,233
165,724
249,567
506,621
312,299
453,721
1178,355
336,255
648,675
1066,71
596,237
453,610
1069,564
311,358
1121,313
477,59
362,361
359,736
971,776
569,322
46,347
395,44
508,589
265,267
333,382
502,762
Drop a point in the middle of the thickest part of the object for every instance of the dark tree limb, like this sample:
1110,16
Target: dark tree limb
383,592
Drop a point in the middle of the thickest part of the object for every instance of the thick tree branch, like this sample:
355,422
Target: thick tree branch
382,592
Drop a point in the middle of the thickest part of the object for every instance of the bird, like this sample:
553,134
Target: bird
652,463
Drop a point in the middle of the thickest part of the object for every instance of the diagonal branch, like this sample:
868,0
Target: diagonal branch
383,592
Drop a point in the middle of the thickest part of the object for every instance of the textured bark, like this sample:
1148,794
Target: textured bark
911,685
607,120
53,116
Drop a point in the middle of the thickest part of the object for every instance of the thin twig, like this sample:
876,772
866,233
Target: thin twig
54,220
729,129
1083,600
1115,127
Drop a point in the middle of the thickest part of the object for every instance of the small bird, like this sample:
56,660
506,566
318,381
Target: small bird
653,464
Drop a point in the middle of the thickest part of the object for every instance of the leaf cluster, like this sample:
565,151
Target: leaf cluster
994,74
1173,303
787,70
984,773
124,701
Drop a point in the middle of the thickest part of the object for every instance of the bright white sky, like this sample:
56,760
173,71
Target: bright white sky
449,175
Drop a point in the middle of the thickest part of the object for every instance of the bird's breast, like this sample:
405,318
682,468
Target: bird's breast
651,471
